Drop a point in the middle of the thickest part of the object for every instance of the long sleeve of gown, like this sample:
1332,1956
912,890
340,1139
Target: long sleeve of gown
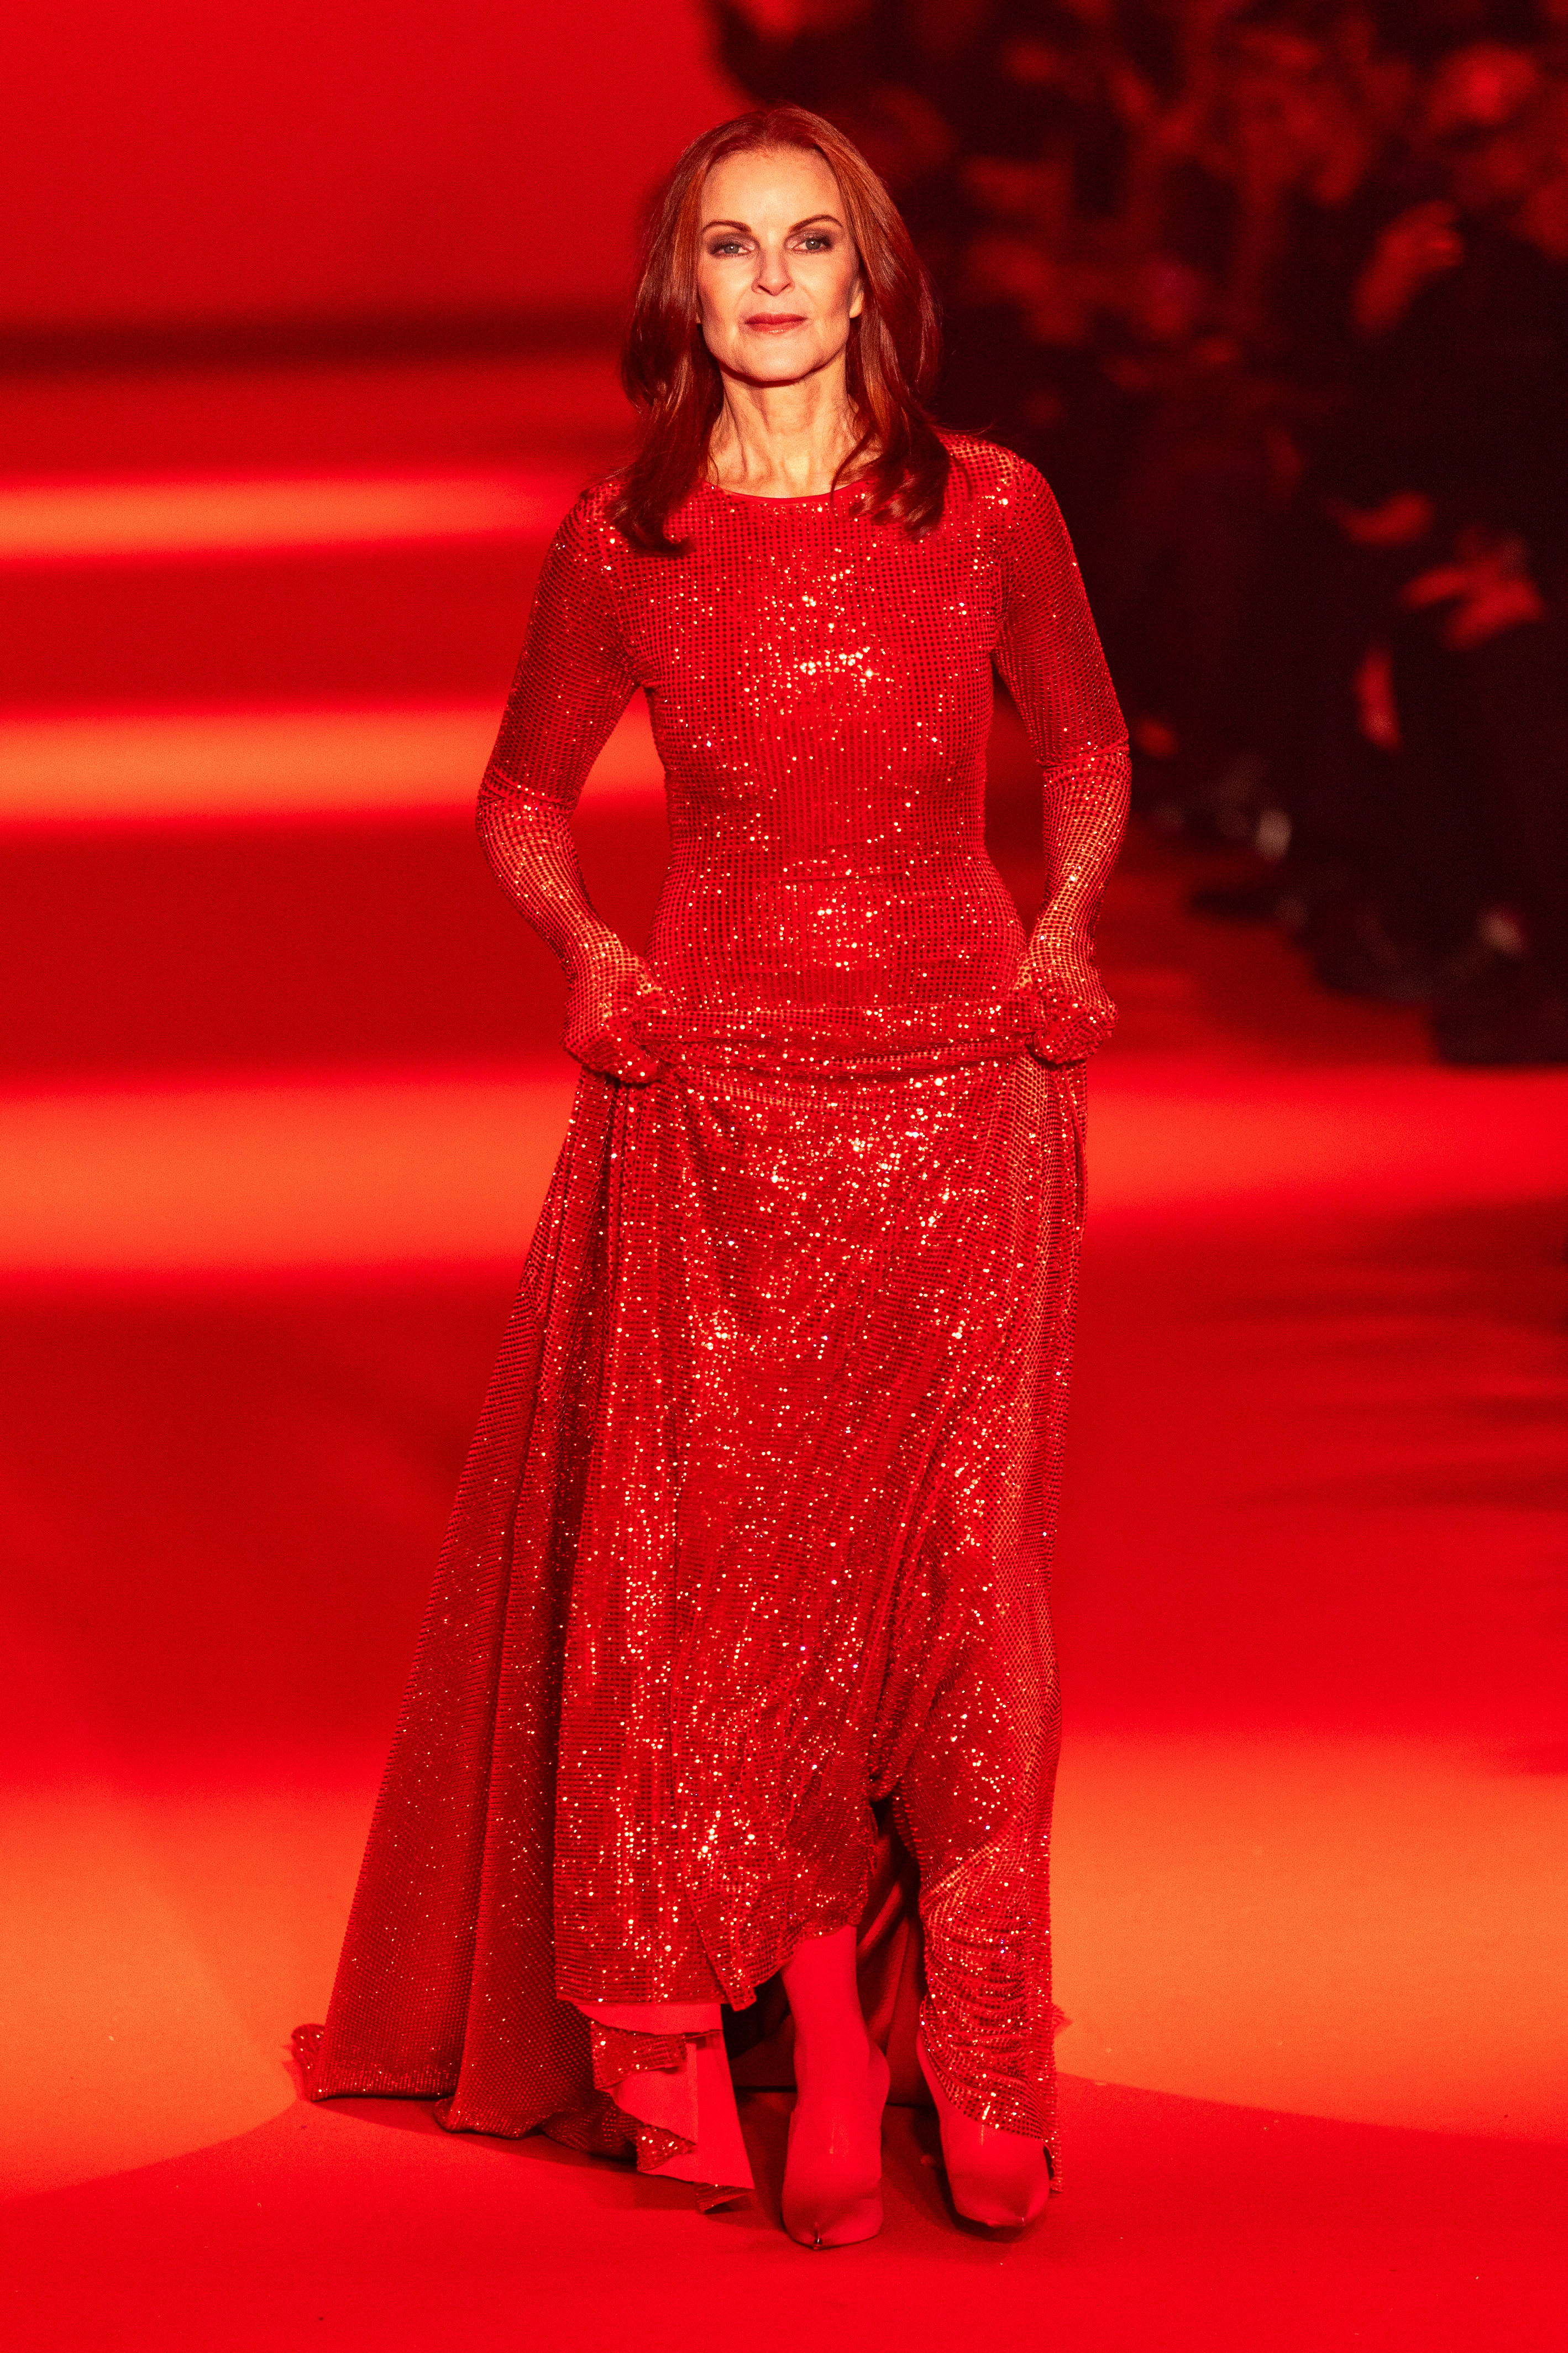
573,683
1049,654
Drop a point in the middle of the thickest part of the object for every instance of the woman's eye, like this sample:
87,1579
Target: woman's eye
817,245
729,245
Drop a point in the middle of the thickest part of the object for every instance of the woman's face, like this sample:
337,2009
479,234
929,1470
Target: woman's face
777,275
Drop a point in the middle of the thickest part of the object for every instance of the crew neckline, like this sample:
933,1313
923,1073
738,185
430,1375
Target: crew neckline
763,498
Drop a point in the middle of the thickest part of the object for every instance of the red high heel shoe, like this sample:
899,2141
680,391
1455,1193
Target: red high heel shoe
999,2179
833,2173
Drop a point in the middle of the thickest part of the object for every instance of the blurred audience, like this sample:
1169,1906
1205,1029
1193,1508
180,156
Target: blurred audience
1277,296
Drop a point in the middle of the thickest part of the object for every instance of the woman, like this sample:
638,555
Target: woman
750,1555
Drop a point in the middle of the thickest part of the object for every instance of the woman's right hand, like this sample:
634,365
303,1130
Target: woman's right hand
619,1019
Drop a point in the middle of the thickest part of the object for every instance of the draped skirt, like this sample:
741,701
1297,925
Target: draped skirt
746,1577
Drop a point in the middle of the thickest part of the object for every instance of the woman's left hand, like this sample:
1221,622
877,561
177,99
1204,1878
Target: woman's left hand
1067,1014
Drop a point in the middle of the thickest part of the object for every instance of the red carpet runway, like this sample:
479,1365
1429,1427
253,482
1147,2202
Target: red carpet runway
280,1095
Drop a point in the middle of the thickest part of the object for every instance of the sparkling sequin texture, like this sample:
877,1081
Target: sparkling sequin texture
755,1532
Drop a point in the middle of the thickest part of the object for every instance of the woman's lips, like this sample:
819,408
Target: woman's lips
766,323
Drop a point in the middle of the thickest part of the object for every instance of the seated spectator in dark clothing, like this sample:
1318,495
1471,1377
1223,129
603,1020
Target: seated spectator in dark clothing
1449,493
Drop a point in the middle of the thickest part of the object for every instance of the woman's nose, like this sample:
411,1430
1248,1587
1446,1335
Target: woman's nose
773,274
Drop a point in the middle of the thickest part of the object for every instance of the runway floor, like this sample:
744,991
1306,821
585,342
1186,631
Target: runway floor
280,1096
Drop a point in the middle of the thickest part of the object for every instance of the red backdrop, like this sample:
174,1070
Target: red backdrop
262,158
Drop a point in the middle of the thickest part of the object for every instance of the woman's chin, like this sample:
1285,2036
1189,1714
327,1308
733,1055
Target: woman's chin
766,360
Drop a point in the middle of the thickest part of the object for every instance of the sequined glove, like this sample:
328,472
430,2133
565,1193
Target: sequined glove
619,1018
1067,1015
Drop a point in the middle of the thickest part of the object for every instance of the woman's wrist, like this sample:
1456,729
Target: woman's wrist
595,951
1059,941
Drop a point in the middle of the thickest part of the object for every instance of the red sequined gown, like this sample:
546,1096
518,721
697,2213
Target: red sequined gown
754,1532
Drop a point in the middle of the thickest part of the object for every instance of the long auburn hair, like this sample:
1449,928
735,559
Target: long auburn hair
673,379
